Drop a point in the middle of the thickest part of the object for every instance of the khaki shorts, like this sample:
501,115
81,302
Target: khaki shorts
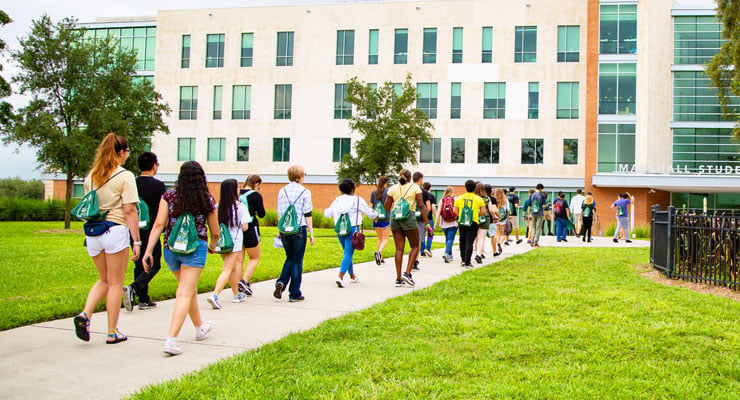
514,220
404,225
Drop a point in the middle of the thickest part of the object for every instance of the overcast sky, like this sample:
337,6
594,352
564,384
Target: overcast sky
22,162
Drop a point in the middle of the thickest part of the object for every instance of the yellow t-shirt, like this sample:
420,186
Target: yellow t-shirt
408,191
113,195
477,203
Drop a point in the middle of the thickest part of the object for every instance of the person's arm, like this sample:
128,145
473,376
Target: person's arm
259,205
388,203
422,209
309,229
132,220
243,217
329,212
365,209
437,216
212,220
163,213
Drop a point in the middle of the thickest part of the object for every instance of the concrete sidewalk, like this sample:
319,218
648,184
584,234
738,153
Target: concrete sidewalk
46,360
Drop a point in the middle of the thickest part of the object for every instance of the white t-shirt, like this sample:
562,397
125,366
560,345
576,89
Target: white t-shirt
242,217
575,203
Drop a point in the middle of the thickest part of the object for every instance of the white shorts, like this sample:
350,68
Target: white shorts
111,242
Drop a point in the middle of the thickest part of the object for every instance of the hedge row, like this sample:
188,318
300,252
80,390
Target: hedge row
15,209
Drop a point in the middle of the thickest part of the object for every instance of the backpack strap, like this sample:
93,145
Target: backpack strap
109,179
358,210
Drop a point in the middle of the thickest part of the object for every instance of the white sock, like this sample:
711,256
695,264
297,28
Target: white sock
197,329
171,341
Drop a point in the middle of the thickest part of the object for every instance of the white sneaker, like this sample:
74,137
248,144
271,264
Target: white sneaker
239,298
204,329
213,301
355,279
172,349
339,282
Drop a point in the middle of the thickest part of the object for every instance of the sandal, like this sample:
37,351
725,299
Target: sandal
82,326
116,337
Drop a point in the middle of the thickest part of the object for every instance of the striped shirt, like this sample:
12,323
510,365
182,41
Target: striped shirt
294,193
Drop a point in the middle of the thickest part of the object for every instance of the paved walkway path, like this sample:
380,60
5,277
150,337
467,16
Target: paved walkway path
46,360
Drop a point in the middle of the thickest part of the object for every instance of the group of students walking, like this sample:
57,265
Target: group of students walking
194,225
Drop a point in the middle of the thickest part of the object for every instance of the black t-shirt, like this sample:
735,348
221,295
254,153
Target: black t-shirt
255,206
425,195
564,209
374,199
513,201
150,190
432,200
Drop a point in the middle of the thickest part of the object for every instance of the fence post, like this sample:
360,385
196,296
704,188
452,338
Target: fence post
670,237
653,209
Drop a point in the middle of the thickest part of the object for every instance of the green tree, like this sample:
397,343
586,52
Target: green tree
5,108
724,69
80,90
21,189
391,127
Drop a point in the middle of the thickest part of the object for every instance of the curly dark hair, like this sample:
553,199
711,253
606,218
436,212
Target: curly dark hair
227,203
192,191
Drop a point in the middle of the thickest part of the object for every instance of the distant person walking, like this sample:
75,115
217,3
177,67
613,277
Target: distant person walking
526,215
588,214
232,213
561,211
484,221
116,191
295,244
575,210
468,207
350,208
623,216
513,213
381,225
420,220
502,215
190,195
537,211
251,197
150,190
404,199
447,220
432,207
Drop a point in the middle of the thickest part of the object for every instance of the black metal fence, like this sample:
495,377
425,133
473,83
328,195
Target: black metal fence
696,247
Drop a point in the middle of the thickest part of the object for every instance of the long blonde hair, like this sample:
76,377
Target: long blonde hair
107,159
589,200
449,192
500,197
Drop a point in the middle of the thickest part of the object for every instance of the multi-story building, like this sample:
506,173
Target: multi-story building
609,96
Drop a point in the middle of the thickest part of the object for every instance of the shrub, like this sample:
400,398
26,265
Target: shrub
18,188
640,232
271,218
15,209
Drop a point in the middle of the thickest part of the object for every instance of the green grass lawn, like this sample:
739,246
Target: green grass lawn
47,276
552,323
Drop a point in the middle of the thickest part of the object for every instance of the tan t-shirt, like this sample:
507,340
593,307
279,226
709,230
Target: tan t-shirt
113,195
408,192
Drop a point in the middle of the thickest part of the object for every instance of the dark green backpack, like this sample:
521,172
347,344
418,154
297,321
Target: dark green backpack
401,210
88,209
288,223
225,243
343,227
143,210
380,210
466,214
536,206
621,212
586,211
183,238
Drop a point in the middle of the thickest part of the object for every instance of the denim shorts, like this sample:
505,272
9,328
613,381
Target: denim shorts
197,259
381,224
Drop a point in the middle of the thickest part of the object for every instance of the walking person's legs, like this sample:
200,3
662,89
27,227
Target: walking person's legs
537,221
296,272
399,239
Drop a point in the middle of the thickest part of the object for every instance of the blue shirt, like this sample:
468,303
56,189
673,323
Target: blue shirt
624,203
540,198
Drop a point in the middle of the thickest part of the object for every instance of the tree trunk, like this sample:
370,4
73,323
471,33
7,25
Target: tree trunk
67,201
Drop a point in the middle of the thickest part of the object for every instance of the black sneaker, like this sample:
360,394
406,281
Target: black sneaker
407,278
615,240
400,283
242,286
506,243
628,241
496,254
519,241
278,293
446,258
82,326
378,257
295,299
146,305
128,298
565,240
416,266
478,259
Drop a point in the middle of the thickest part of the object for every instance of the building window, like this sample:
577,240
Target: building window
533,101
430,151
455,100
567,101
141,40
78,190
525,44
427,99
617,88
457,45
340,149
429,46
217,95
398,89
284,49
618,29
616,147
342,108
241,102
570,151
695,98
242,149
699,149
569,38
494,100
532,150
372,53
247,50
457,151
281,149
185,149
188,102
696,39
215,50
401,46
185,52
345,47
216,149
488,151
487,41
283,97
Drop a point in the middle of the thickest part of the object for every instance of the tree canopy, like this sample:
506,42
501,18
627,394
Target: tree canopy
391,129
80,90
724,69
5,108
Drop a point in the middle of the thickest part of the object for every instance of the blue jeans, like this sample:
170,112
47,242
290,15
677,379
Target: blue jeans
346,243
295,247
429,239
561,228
623,222
449,239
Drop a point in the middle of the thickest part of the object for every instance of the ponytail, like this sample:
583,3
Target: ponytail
381,185
106,158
